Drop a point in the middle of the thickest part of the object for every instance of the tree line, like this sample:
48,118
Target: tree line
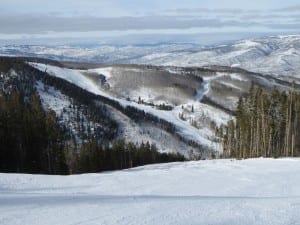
94,157
267,125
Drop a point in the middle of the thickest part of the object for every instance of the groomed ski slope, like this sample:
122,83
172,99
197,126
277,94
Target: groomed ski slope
257,191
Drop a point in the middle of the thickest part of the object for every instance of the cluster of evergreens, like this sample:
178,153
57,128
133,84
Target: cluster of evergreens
267,124
30,138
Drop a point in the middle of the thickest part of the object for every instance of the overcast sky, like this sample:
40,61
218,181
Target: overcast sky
143,21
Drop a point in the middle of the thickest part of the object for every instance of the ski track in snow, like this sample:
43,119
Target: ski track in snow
206,86
229,192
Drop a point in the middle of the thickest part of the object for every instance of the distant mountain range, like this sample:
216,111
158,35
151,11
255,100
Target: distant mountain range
276,55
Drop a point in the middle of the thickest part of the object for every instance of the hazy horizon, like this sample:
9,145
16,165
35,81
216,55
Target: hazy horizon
134,22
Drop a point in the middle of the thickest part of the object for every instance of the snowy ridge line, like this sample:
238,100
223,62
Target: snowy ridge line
263,78
278,55
183,129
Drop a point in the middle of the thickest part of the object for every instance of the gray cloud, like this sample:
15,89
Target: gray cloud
272,16
92,21
289,26
295,8
198,38
36,25
204,10
261,18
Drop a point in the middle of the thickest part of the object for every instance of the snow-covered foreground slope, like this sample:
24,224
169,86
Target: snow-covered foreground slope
258,191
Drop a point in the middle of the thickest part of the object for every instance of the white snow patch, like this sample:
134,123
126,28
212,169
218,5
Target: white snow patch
70,75
230,85
52,99
238,77
236,65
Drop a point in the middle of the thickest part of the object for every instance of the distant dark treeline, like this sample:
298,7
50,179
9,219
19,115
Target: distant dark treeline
121,155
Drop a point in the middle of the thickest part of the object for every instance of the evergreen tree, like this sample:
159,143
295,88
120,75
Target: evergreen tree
266,124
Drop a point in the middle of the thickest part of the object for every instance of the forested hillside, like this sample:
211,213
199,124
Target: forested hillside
34,139
50,125
267,125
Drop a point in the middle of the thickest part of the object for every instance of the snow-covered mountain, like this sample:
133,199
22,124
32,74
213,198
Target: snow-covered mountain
176,108
273,55
173,105
194,100
176,103
103,54
278,55
186,86
170,96
257,191
122,102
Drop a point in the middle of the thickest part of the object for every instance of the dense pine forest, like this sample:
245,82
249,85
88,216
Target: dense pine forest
267,125
30,138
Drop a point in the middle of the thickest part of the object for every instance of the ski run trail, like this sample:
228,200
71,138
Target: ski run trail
231,192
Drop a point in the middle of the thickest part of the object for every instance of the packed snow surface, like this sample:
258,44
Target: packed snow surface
257,191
